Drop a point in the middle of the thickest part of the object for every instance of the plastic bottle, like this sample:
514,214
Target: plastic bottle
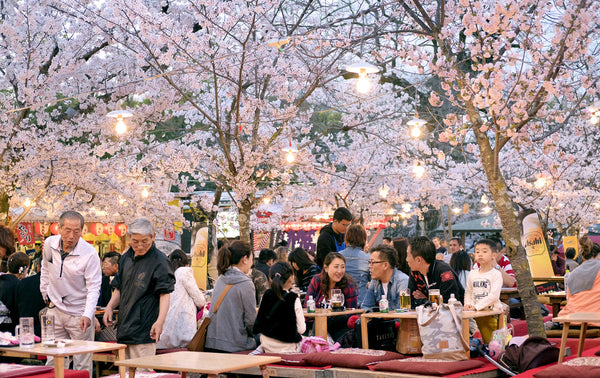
383,304
452,299
310,304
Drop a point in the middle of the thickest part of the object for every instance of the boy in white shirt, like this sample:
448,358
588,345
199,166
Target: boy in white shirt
483,287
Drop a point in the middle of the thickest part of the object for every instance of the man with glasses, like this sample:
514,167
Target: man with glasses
142,285
70,284
386,279
331,236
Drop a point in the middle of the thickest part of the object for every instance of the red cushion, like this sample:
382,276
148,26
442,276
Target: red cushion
353,358
16,370
68,374
580,367
429,366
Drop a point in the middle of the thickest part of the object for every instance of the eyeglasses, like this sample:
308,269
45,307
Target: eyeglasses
375,262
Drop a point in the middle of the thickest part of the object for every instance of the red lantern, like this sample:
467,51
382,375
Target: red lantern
109,228
54,228
96,228
120,229
41,228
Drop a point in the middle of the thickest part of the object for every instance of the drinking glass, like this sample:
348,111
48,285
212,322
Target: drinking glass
434,296
47,328
337,298
25,333
405,299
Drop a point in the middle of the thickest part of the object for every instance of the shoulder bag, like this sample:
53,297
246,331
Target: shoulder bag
199,339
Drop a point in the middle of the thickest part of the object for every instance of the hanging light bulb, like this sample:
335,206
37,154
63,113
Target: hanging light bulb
27,202
266,200
484,199
362,69
456,210
406,207
290,150
145,192
418,170
384,191
540,183
120,126
416,125
486,210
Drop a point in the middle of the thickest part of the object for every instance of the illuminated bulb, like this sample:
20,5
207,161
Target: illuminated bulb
419,170
384,191
290,157
121,200
487,210
266,200
145,192
484,199
594,120
540,183
363,85
456,210
415,132
406,207
120,127
27,202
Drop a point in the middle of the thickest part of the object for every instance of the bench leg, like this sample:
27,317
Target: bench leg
563,342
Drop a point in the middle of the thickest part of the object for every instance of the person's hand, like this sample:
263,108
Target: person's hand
418,294
107,319
156,331
96,325
84,323
554,257
469,307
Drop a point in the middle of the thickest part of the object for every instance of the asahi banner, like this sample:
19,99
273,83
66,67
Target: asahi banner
534,241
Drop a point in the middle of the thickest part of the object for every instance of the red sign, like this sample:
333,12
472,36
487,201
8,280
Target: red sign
169,235
25,234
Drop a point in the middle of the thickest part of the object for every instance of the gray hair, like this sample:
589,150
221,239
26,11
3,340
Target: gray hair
141,226
70,215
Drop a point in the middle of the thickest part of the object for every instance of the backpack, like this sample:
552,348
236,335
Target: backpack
535,351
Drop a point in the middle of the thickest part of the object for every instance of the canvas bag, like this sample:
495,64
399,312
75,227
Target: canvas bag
199,339
440,327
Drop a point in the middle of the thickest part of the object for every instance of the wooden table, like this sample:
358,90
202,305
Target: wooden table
555,300
466,315
558,279
321,316
580,317
199,362
59,354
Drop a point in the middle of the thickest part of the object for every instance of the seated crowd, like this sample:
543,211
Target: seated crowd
363,277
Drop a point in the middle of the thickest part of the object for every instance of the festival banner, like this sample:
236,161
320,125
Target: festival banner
25,234
571,242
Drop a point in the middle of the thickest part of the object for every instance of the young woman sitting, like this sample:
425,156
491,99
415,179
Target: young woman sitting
280,320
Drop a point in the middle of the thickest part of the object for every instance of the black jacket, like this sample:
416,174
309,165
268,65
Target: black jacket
263,268
277,318
141,280
440,276
329,241
30,301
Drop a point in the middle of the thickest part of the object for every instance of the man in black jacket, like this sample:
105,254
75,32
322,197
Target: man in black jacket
331,236
428,273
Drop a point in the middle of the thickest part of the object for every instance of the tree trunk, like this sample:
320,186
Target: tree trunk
244,220
4,208
512,236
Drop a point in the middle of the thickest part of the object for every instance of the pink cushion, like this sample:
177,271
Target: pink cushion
429,366
68,374
353,358
16,370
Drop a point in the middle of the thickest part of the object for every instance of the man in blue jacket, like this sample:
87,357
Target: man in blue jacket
386,279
